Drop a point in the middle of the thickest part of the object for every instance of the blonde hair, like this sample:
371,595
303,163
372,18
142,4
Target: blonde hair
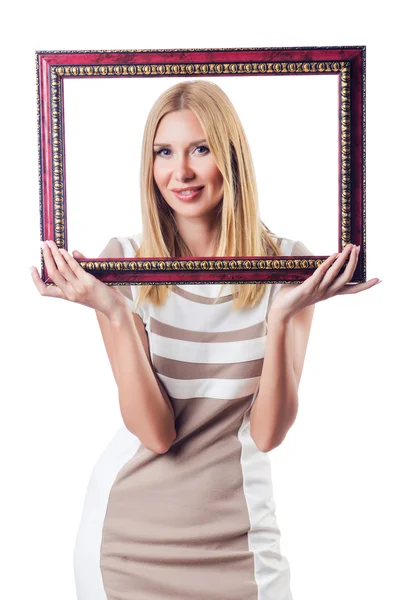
241,232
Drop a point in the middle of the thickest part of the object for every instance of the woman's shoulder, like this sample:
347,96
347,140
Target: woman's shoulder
291,247
122,246
136,240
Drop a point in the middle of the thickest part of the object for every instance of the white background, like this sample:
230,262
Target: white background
294,146
334,475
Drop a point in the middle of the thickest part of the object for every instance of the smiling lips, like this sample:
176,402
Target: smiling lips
188,193
192,187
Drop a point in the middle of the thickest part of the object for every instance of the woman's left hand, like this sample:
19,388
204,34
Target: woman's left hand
323,284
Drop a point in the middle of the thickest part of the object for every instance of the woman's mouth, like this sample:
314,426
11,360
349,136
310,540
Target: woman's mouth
188,194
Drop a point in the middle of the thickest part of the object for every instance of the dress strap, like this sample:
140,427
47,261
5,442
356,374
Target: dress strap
288,246
128,249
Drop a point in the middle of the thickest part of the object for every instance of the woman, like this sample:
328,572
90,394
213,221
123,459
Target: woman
180,504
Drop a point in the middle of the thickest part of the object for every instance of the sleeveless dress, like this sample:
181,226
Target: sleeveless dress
197,522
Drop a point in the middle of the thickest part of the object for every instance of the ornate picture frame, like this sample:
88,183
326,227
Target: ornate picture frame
347,63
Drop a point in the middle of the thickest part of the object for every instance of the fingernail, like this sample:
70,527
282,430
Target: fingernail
42,244
31,269
378,281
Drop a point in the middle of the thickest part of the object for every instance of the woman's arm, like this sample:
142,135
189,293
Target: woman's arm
145,407
144,403
276,405
275,408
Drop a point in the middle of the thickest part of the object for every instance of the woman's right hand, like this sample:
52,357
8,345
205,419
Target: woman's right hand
73,283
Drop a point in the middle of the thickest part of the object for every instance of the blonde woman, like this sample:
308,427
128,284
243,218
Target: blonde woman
180,504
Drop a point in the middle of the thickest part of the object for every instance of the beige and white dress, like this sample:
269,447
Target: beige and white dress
198,522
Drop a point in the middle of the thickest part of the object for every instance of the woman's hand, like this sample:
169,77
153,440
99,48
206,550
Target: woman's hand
323,284
73,283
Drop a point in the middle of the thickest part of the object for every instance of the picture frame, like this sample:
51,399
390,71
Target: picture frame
347,63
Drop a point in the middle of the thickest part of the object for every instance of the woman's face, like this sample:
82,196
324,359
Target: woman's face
182,160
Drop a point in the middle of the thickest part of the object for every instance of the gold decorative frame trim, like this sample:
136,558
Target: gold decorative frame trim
57,72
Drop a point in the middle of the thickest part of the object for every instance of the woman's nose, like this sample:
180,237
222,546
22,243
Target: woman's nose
183,168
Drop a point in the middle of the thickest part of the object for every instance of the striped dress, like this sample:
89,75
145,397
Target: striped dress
198,522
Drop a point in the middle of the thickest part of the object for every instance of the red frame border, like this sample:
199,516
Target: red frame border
53,66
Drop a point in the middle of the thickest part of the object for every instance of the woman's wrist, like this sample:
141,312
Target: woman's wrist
118,312
279,316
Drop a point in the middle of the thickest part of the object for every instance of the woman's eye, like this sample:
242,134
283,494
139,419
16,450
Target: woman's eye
205,148
161,150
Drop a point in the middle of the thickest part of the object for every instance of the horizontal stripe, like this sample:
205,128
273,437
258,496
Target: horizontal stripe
183,370
193,352
193,297
222,389
182,334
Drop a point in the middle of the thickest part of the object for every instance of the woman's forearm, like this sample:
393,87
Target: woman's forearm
145,411
275,407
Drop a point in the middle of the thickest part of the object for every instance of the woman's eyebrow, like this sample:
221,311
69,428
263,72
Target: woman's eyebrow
168,145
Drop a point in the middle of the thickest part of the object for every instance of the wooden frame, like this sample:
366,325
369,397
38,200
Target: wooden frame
348,63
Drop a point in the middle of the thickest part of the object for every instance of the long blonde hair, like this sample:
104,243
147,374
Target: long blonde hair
241,232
